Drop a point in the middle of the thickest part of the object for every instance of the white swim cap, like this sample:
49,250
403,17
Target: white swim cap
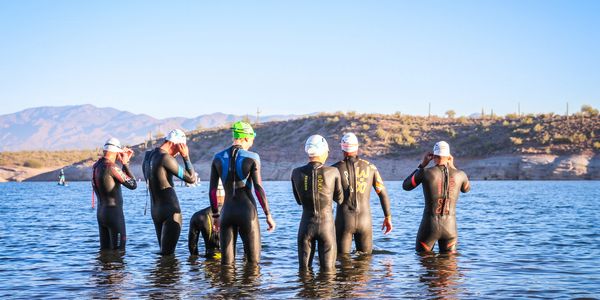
441,149
177,136
113,145
349,142
220,189
316,145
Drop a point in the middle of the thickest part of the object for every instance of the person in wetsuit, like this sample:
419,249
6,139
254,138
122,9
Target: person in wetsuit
353,216
441,186
316,187
239,170
159,167
202,223
107,179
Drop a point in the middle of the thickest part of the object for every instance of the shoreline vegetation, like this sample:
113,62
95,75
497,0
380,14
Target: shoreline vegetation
489,147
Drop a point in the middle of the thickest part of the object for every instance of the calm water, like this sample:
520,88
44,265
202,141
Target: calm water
517,239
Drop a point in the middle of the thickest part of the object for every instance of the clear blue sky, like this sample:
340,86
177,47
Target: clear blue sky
185,58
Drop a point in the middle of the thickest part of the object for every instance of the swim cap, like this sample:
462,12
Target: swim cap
316,145
242,130
441,149
177,136
113,145
220,189
349,143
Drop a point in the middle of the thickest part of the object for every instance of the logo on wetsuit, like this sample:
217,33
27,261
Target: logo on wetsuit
361,179
320,182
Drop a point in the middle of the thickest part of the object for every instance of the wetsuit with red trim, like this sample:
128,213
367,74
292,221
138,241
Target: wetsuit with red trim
159,167
353,217
107,179
239,171
441,188
316,187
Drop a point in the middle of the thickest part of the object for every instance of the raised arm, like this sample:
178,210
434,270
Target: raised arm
186,174
466,186
124,176
414,179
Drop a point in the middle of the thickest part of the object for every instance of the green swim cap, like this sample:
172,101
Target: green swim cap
242,130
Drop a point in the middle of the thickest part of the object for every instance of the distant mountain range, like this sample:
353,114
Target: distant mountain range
87,126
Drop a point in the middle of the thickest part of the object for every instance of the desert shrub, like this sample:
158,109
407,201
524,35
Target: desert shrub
451,114
545,138
463,120
578,138
516,141
538,128
560,139
451,132
366,127
333,120
588,110
33,163
512,116
382,134
596,145
527,121
505,123
522,130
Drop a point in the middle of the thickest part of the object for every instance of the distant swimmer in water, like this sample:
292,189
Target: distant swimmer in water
239,170
316,187
107,179
202,223
353,218
159,167
441,186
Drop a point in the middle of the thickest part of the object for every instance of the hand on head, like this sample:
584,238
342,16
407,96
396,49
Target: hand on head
426,159
125,156
182,149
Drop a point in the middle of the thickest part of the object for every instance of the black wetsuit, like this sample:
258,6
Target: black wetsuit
239,171
159,168
315,187
107,179
353,217
441,187
202,223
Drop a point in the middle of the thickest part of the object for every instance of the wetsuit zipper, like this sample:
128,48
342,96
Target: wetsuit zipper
445,185
315,192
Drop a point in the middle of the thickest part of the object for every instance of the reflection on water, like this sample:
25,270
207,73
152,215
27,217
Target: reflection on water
165,276
440,274
521,216
109,273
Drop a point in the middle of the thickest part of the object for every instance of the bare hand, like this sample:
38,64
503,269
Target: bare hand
387,224
270,223
125,156
216,224
426,159
183,150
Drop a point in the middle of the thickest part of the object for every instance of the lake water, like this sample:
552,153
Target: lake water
516,239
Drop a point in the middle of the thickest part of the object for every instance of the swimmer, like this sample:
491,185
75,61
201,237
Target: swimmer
201,223
353,217
107,179
316,187
159,167
239,170
441,186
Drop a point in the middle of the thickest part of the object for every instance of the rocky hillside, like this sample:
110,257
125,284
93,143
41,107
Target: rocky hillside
528,147
86,126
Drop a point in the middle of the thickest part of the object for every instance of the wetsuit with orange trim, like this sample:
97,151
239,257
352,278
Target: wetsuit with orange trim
353,216
107,179
239,171
202,223
441,188
316,187
159,167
